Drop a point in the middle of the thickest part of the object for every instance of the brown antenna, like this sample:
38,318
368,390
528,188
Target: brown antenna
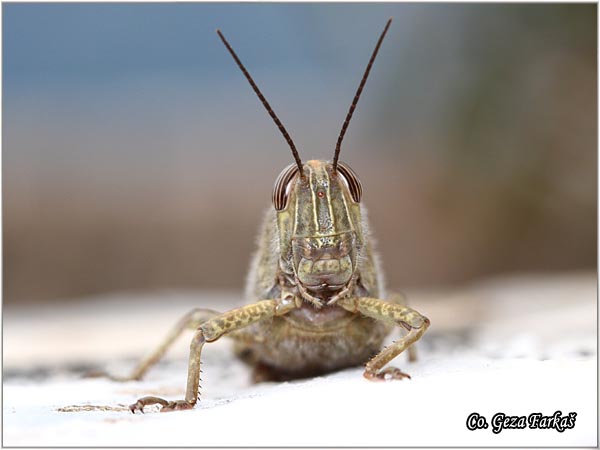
264,102
357,95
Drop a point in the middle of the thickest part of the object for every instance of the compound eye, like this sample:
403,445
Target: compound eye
351,180
282,187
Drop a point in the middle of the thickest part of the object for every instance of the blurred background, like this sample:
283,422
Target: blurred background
136,157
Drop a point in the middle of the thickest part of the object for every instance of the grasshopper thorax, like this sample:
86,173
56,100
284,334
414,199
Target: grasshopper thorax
320,226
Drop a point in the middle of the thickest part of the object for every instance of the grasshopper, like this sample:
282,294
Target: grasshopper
315,287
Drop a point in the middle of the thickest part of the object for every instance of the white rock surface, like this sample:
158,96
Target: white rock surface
516,345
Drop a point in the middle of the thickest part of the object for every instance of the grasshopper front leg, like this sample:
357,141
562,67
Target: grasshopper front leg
400,299
191,321
401,315
210,331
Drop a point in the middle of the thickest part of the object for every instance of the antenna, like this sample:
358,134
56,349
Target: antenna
357,95
264,102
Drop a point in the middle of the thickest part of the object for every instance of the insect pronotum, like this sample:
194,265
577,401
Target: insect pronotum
315,292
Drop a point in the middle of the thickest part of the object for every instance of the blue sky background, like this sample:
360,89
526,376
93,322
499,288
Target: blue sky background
61,44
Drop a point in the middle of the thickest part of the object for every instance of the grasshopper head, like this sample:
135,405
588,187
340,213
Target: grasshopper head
319,222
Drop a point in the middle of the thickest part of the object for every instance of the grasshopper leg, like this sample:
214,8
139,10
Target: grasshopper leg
400,299
191,321
408,318
210,331
167,406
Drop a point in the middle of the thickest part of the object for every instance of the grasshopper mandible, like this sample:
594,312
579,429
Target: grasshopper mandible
315,284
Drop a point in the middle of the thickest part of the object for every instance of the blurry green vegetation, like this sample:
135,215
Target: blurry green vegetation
513,152
522,136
